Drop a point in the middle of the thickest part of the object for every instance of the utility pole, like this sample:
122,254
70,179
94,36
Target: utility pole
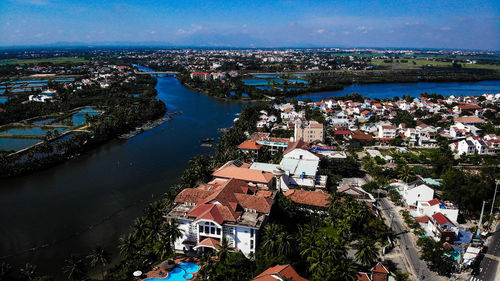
494,197
480,219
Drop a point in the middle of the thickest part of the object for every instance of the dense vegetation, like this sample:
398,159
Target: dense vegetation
123,112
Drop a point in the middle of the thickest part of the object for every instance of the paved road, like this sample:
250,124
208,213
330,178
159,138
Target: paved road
489,266
406,242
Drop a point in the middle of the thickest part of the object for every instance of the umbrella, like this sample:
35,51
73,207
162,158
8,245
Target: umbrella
137,273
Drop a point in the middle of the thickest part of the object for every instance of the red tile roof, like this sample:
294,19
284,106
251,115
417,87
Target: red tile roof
209,242
361,276
243,173
280,271
250,145
434,202
441,219
224,202
311,198
422,219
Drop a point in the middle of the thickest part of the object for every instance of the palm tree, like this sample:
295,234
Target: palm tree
99,256
29,271
366,252
172,232
74,268
223,250
127,246
405,173
5,269
285,241
270,238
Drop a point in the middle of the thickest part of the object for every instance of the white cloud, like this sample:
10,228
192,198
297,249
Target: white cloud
153,32
320,31
445,28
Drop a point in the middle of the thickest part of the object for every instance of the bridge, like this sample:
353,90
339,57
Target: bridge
156,72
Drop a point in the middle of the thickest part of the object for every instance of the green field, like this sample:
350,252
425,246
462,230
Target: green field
44,60
422,62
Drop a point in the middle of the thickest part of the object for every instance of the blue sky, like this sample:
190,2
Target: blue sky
272,23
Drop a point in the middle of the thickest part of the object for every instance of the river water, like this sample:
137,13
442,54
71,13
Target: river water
108,187
93,200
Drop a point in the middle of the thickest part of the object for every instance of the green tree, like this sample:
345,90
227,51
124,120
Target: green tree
29,271
366,252
74,268
100,257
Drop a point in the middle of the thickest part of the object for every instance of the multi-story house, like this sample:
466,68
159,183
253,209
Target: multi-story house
434,206
386,131
309,131
230,209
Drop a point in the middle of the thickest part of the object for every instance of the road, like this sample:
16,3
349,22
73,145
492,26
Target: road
405,240
489,264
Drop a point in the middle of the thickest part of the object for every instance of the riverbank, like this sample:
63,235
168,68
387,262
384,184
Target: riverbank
338,80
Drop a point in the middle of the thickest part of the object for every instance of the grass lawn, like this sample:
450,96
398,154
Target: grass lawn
422,62
44,60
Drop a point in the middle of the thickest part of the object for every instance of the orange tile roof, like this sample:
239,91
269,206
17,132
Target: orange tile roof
243,173
361,276
192,195
311,198
280,271
209,242
469,119
250,145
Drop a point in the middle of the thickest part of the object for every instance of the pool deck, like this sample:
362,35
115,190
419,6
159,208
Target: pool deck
161,273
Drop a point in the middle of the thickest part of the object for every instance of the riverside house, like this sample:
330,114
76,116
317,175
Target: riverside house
232,209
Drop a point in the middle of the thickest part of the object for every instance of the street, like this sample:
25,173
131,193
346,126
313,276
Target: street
489,264
406,242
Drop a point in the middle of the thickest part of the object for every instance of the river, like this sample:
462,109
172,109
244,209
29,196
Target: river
93,200
108,187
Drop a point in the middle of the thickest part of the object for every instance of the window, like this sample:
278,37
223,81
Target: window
218,231
207,229
251,244
212,230
251,232
201,228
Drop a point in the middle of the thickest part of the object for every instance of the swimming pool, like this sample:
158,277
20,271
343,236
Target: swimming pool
183,271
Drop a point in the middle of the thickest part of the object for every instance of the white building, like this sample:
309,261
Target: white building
435,206
386,131
45,96
211,212
417,191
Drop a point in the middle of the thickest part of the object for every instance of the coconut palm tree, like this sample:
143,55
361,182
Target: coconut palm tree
74,268
127,246
29,271
172,232
270,238
285,241
99,256
223,250
5,269
366,252
405,173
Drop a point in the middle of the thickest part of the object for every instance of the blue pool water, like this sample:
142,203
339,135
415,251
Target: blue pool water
3,100
181,273
2,91
255,82
265,88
